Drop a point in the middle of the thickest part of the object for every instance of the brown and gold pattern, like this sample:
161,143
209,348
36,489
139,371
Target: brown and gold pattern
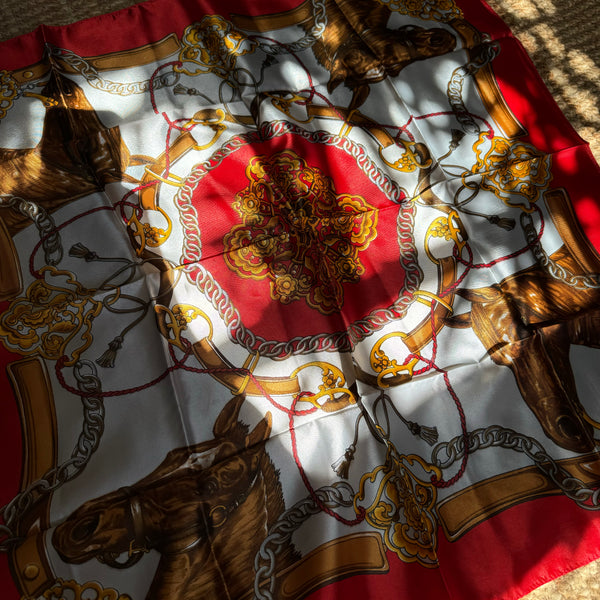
8,91
49,316
212,46
298,232
305,226
91,590
438,10
515,171
402,507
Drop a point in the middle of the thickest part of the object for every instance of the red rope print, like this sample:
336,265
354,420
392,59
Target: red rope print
128,205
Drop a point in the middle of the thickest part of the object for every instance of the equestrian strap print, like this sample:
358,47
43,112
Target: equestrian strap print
299,299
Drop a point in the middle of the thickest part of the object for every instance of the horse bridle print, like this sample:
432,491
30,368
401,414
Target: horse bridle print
138,546
139,543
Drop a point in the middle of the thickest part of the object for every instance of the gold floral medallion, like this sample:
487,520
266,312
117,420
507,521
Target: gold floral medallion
514,171
402,505
299,232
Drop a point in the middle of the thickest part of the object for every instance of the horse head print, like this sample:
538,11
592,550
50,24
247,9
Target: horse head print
77,154
203,509
527,323
358,48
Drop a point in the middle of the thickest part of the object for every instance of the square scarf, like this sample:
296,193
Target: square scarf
298,299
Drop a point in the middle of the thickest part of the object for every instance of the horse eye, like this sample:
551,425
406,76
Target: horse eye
353,57
211,487
85,528
438,39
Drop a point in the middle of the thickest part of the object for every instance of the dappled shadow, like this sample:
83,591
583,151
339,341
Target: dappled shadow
561,38
19,17
292,220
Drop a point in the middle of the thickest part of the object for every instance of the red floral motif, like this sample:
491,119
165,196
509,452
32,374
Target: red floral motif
298,232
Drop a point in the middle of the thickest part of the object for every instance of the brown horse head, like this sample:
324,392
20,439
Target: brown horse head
190,496
381,53
77,154
400,47
358,48
528,323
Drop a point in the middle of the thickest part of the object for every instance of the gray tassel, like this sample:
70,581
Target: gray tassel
503,222
270,60
80,251
428,434
342,465
107,360
179,89
457,136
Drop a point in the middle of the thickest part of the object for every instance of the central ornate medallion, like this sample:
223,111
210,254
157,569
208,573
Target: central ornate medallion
280,240
298,232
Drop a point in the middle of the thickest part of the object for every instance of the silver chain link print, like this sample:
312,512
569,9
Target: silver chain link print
49,236
88,383
589,281
339,494
447,453
342,341
308,40
81,66
95,80
487,52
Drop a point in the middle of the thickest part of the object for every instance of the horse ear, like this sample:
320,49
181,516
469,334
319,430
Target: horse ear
228,417
359,95
459,321
486,294
406,32
338,75
261,432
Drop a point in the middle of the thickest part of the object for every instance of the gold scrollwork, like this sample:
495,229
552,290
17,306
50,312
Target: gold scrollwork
389,368
291,227
147,234
448,227
514,171
173,321
49,317
403,506
409,161
333,387
8,92
212,46
436,10
91,590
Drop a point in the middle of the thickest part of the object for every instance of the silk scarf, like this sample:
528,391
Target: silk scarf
298,299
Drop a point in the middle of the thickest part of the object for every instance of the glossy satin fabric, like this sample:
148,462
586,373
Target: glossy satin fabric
298,300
